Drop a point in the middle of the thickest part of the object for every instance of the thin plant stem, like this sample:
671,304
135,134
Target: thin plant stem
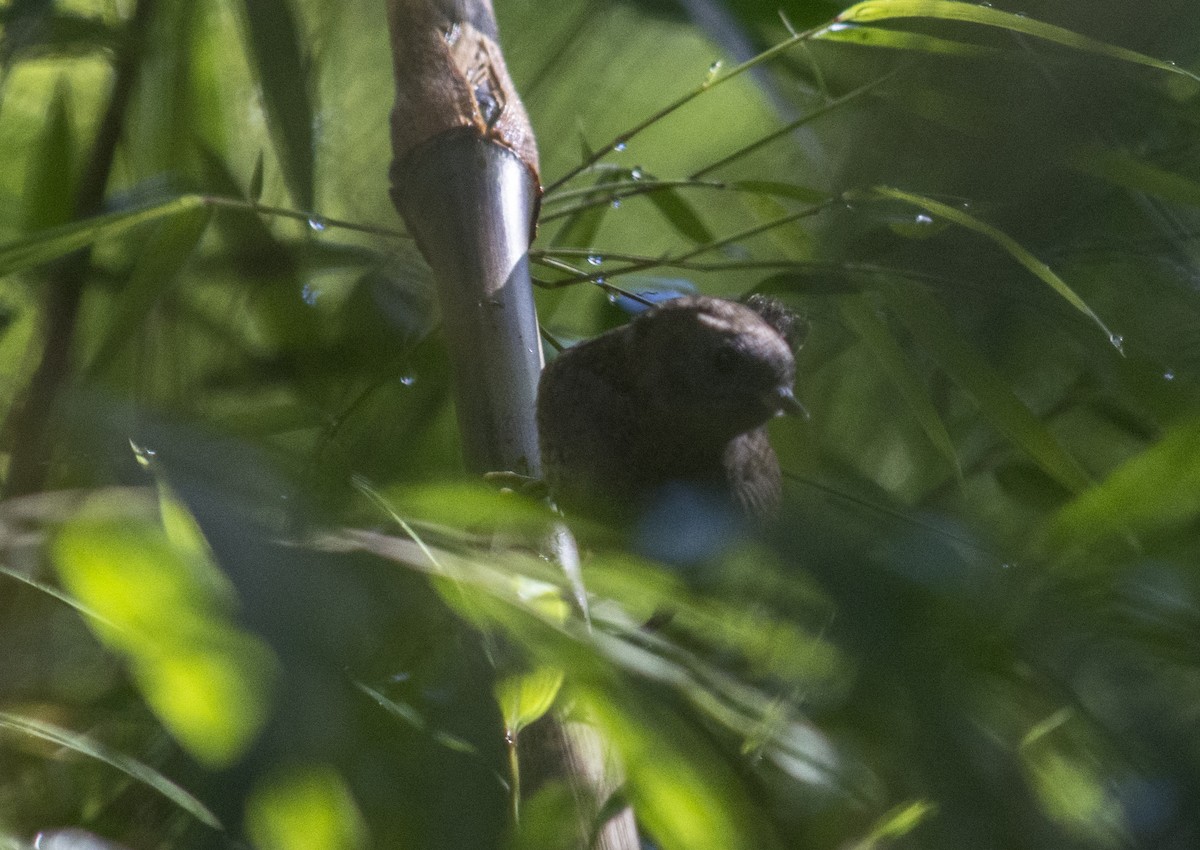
650,262
707,85
299,215
792,125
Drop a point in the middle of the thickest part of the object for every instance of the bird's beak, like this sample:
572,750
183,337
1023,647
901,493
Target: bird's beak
788,405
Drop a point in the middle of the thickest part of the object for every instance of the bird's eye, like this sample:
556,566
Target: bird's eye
724,360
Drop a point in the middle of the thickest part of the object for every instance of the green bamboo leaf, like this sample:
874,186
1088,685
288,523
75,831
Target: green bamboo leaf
163,256
949,10
1014,249
93,749
283,74
1129,172
167,611
304,808
934,331
59,241
858,313
50,184
526,697
1153,491
897,823
682,215
900,40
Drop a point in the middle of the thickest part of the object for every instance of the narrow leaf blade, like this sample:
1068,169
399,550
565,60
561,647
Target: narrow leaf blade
951,10
276,49
1014,249
933,330
57,242
93,749
860,316
681,215
164,256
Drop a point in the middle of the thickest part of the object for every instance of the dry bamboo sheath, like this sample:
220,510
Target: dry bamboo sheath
465,179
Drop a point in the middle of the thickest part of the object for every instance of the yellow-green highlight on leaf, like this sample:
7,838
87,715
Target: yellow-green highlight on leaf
1042,271
900,40
948,10
1129,172
859,315
308,808
1154,491
680,788
526,697
933,329
1073,793
896,823
167,609
58,241
89,748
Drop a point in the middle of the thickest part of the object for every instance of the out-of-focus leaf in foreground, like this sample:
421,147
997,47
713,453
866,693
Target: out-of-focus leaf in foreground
1157,490
304,809
169,611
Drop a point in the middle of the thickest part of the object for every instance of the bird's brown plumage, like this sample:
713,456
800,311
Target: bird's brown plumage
678,396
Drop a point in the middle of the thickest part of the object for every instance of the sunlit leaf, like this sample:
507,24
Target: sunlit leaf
899,40
1153,491
309,808
525,697
680,788
164,610
1073,793
859,314
85,746
951,10
468,505
934,331
897,823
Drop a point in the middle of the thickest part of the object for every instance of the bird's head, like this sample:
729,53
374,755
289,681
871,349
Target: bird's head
709,368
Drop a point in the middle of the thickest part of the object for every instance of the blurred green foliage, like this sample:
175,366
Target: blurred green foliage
974,626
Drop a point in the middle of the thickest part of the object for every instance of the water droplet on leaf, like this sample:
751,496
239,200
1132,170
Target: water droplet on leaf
636,174
924,219
616,203
620,146
317,223
1168,375
595,260
1118,342
310,294
408,380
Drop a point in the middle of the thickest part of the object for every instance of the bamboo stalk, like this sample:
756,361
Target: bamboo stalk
464,177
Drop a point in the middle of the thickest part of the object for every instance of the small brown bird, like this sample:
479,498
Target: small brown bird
665,416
